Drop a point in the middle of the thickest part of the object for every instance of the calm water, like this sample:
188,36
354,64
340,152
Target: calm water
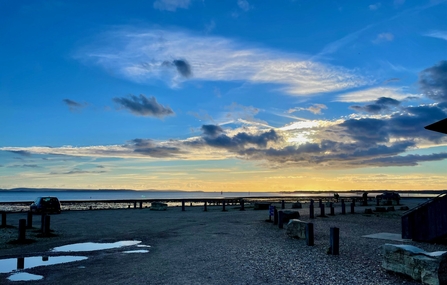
18,196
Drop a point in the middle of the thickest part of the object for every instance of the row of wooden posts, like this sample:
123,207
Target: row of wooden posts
28,224
334,239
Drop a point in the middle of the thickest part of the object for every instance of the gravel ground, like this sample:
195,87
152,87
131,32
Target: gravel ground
214,247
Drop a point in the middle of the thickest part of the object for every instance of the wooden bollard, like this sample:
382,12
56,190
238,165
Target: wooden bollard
183,205
280,219
332,209
343,207
242,202
29,220
42,222
352,208
3,219
322,210
22,230
309,234
275,216
20,263
135,204
47,225
205,208
223,206
320,202
311,210
141,205
283,204
334,241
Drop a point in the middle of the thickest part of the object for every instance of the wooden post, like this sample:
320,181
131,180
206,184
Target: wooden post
42,222
183,205
309,234
141,205
343,207
242,202
205,208
322,211
283,205
134,204
22,230
320,202
29,220
280,219
47,225
223,206
20,263
335,241
3,219
311,210
332,209
275,216
352,208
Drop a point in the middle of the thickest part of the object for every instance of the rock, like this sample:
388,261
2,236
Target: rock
296,229
297,205
262,205
289,215
158,206
427,267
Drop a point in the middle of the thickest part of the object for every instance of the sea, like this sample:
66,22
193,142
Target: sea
85,195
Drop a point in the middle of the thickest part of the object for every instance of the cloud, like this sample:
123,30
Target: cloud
182,66
433,82
384,37
316,109
374,7
73,105
143,106
171,5
21,152
407,160
395,79
244,5
142,56
398,2
212,130
79,171
437,34
24,166
380,105
372,94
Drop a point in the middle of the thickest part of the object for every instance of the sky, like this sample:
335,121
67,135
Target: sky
236,95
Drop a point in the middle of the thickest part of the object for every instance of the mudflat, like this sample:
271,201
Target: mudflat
212,247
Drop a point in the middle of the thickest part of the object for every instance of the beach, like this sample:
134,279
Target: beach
212,247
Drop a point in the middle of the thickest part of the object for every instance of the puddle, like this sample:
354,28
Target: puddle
23,276
137,251
12,264
92,246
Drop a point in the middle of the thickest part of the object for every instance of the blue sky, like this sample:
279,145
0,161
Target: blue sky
223,95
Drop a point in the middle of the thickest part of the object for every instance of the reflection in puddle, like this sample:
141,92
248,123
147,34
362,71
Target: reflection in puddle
23,276
12,264
92,246
137,251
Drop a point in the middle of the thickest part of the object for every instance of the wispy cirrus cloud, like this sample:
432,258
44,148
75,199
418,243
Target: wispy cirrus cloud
142,56
171,5
315,109
73,105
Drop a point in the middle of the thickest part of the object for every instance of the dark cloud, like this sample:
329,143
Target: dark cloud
24,166
408,160
150,148
391,80
366,131
79,171
242,139
183,67
142,106
211,130
380,105
73,105
21,152
433,81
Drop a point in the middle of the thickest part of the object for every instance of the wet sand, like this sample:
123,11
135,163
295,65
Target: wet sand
213,247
